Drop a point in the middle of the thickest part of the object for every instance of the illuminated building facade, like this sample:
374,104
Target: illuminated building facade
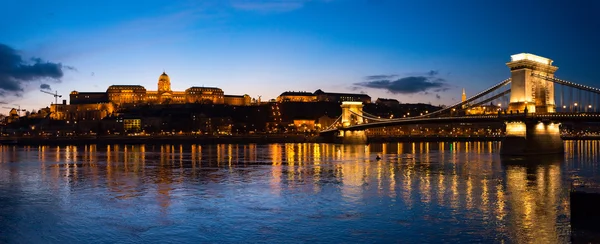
341,97
132,124
292,96
211,95
236,100
121,95
483,109
126,94
79,112
321,96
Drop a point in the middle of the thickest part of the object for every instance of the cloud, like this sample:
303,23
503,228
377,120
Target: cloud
271,5
45,86
406,85
16,73
380,77
433,73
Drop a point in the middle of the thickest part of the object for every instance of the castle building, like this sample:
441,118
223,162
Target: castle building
321,96
341,97
121,95
97,105
210,95
292,96
235,100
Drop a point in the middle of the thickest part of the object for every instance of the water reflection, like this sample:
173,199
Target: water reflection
451,190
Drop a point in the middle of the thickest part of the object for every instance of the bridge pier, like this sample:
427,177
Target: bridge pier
351,137
532,137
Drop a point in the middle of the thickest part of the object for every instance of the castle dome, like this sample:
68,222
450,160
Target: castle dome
163,76
164,83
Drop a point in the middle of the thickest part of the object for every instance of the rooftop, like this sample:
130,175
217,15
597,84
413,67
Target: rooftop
317,92
531,57
203,88
387,100
295,93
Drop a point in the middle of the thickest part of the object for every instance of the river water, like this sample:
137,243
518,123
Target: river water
416,192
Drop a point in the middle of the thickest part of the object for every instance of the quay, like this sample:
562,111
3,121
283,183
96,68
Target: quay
240,139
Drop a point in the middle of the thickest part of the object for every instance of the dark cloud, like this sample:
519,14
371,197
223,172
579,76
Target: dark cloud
45,87
407,85
380,77
433,73
16,73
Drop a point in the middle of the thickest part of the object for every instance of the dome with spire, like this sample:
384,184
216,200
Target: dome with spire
164,83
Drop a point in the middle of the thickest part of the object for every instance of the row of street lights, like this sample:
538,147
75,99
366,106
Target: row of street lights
575,106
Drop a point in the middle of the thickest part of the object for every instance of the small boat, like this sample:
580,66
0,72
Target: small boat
378,158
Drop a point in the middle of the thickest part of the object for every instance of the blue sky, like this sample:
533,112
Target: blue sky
265,47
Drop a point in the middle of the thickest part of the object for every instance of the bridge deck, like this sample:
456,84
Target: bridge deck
558,117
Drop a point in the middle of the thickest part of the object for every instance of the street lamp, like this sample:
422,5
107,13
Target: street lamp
575,106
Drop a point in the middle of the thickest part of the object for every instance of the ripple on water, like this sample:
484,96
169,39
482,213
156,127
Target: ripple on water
421,192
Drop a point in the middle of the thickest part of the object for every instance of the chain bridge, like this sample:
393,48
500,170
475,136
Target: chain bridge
532,104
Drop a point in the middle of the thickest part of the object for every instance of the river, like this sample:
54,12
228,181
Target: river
321,193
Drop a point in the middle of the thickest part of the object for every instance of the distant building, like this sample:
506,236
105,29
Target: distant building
126,94
88,97
303,125
211,95
483,109
387,102
121,95
340,97
79,112
291,96
236,100
321,96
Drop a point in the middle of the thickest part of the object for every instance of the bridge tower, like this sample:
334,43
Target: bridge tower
527,91
352,115
526,135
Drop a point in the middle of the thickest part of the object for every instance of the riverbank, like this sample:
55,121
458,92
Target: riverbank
249,139
152,140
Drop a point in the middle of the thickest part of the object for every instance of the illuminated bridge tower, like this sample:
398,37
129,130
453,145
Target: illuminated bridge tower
528,91
352,115
525,135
